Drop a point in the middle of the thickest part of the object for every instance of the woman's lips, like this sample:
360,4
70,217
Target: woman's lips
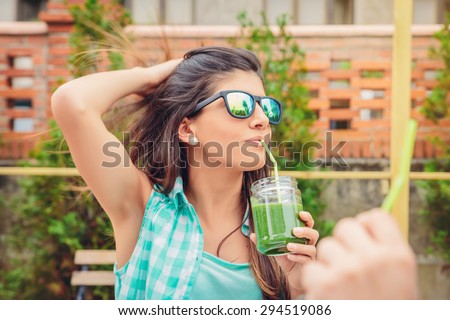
255,143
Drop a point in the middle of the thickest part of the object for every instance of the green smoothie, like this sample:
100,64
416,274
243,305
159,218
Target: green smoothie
273,226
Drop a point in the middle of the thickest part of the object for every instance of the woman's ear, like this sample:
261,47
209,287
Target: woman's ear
185,130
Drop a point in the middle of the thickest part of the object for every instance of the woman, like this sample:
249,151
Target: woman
180,210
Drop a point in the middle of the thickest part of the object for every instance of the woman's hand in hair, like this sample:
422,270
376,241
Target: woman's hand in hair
292,263
157,74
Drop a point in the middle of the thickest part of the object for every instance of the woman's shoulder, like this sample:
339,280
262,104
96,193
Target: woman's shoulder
155,193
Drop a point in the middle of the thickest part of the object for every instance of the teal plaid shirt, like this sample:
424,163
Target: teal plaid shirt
168,252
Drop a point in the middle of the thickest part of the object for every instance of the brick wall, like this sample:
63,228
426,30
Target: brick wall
349,74
23,87
349,77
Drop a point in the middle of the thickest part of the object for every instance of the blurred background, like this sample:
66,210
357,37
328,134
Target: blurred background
329,61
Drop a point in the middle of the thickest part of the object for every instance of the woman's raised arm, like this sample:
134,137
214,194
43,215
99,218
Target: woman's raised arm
120,187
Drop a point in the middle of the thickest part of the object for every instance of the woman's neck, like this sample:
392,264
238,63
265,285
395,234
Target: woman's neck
216,194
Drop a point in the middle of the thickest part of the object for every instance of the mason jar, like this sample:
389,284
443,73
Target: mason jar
276,203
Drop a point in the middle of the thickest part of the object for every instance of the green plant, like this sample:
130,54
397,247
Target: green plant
283,72
437,207
436,104
54,215
96,24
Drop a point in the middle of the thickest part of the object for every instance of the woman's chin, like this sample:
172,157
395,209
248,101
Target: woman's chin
249,166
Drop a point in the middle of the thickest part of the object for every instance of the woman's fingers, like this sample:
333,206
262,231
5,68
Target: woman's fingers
308,233
301,250
163,70
306,217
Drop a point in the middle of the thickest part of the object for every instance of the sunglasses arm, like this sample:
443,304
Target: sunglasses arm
204,103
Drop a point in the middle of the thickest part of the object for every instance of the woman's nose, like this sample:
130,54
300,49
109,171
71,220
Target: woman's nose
258,117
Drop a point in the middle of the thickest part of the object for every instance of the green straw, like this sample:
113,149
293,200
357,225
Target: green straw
405,163
275,167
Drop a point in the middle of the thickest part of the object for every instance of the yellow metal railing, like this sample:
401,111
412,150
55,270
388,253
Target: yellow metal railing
310,175
331,175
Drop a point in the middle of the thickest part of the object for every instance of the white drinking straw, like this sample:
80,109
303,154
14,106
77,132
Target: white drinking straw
275,167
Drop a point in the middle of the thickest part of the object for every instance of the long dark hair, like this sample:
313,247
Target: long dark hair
162,156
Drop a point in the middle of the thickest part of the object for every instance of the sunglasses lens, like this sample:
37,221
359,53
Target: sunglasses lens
240,104
272,109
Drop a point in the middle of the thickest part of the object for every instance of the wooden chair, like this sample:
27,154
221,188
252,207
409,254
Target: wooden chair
86,277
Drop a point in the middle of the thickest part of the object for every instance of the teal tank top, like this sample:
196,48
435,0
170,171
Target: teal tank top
222,280
168,258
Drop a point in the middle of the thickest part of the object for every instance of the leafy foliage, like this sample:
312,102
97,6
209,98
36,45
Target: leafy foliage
53,216
283,72
51,219
436,105
437,207
95,25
